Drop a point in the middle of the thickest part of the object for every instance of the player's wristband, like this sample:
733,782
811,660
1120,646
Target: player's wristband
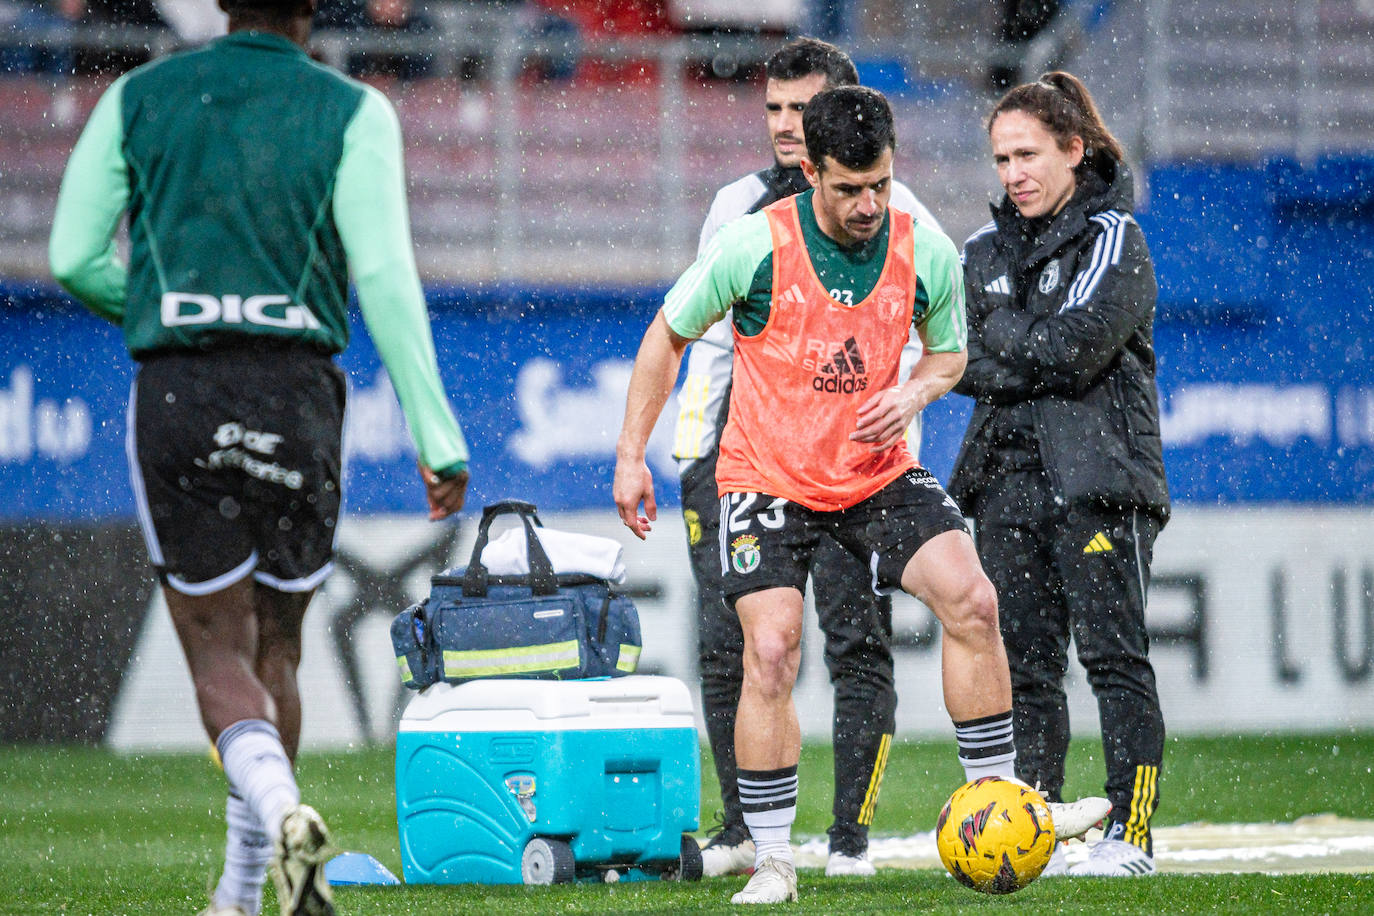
452,471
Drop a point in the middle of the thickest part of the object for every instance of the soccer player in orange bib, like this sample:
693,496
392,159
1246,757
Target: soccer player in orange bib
824,289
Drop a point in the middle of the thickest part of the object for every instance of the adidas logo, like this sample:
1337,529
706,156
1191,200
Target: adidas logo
846,361
844,374
793,294
1099,544
1000,285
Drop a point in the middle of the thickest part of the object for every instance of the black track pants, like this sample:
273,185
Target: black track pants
1083,571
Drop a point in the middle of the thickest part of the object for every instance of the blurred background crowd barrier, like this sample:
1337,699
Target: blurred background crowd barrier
561,158
556,143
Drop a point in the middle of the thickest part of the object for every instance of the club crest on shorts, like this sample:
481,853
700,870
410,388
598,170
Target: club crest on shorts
1049,277
744,554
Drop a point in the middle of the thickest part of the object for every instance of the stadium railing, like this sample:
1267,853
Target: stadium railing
590,160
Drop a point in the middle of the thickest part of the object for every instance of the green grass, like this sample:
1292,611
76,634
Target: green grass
84,831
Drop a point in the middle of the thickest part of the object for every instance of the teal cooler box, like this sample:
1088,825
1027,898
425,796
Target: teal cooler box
506,781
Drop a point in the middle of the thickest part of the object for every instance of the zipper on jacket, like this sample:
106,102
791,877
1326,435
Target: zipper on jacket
1119,405
1042,445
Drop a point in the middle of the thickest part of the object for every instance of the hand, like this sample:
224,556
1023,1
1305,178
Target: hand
884,418
633,484
976,311
445,495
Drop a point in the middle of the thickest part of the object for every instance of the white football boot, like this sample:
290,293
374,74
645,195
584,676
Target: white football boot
730,852
841,865
1114,859
1058,865
298,867
773,881
1073,819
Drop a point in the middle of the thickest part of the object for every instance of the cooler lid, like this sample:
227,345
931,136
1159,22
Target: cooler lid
507,704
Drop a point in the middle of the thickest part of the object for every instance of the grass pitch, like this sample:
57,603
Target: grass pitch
83,831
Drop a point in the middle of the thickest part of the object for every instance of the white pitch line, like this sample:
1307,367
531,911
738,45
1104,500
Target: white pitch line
1309,844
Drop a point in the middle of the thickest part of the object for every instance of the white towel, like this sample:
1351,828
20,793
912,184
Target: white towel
587,554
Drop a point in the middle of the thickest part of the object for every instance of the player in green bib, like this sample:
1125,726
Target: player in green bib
254,180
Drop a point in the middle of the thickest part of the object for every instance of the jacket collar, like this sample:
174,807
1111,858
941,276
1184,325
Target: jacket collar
268,41
785,182
1104,184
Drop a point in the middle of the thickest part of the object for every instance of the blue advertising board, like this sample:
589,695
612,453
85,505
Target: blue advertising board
1248,414
537,379
1265,329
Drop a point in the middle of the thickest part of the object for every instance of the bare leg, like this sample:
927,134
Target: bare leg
768,739
243,645
945,574
219,634
767,733
279,616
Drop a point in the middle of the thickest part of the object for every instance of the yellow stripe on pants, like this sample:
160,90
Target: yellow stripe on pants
875,782
1143,797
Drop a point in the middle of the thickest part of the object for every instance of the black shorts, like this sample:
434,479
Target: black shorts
235,458
767,542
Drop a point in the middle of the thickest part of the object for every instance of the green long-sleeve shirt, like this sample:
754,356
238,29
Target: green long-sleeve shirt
735,273
253,179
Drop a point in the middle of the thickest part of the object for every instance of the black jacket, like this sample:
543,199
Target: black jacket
1060,314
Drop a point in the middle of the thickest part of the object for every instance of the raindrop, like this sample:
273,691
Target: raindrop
724,65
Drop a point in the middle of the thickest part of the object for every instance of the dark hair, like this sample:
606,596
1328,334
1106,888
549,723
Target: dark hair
1063,104
267,9
850,124
806,56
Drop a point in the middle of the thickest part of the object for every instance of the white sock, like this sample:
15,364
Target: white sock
258,770
771,842
978,769
247,850
986,746
769,800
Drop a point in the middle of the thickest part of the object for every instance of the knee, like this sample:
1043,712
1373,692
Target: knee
278,645
972,615
771,659
1037,686
1124,672
863,668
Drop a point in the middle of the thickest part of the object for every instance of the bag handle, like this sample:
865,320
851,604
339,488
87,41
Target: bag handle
542,579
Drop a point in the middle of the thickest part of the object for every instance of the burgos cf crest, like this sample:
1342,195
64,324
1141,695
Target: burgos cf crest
744,554
1049,277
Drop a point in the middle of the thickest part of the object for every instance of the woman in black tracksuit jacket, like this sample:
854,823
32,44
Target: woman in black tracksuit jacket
1061,467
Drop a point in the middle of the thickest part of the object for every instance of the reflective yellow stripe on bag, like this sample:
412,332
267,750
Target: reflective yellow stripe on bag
405,669
522,660
629,658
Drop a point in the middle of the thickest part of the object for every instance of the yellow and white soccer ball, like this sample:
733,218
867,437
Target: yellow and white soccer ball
995,835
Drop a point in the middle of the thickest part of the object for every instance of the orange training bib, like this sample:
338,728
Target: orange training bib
798,384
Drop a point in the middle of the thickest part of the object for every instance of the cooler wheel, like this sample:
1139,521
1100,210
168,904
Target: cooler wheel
688,865
547,861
